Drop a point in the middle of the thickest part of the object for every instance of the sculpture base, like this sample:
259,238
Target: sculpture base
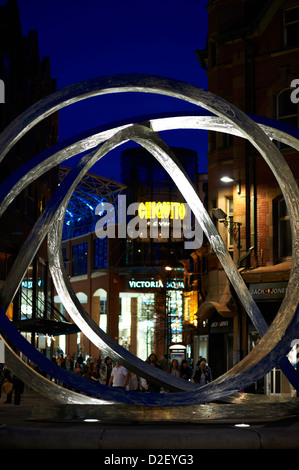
237,409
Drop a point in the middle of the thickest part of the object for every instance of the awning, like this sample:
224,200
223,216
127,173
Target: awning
209,307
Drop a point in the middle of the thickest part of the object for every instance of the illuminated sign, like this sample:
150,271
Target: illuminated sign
219,323
162,210
156,284
29,284
268,291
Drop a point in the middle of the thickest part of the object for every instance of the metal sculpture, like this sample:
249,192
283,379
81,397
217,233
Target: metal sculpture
275,341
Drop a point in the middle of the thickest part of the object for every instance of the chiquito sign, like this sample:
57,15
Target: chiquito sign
158,220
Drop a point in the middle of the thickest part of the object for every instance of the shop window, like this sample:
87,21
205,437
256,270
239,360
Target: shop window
286,111
291,27
80,259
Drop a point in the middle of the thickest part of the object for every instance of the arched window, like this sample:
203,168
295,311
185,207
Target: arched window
101,305
82,297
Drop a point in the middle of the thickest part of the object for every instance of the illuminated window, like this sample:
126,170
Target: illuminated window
230,218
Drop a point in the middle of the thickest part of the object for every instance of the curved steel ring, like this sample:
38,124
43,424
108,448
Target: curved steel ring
240,121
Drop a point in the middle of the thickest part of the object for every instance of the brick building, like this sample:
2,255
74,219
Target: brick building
132,287
27,78
251,58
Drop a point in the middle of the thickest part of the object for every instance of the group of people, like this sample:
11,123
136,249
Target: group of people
201,376
104,371
114,374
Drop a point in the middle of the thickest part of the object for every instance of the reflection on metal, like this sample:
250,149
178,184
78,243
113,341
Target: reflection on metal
276,340
246,407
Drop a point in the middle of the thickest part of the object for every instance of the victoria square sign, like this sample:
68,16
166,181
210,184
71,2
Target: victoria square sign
214,114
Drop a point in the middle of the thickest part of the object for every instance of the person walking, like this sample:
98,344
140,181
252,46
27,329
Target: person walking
174,369
106,369
18,386
153,361
185,371
134,382
119,376
203,374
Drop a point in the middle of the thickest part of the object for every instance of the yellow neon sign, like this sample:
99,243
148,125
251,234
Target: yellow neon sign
161,210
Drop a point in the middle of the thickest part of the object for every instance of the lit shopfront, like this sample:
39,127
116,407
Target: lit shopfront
151,315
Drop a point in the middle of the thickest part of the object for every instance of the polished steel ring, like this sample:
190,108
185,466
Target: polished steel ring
276,340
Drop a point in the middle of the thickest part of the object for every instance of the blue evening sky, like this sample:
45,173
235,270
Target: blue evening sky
97,38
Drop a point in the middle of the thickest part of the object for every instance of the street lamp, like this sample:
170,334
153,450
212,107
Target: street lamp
229,179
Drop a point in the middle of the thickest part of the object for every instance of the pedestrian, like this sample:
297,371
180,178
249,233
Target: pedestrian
92,372
134,382
7,385
203,374
60,359
174,368
18,386
68,363
153,361
99,362
164,362
119,376
106,370
78,369
185,371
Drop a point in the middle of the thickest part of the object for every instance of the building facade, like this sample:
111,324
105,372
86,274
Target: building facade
132,281
27,79
251,59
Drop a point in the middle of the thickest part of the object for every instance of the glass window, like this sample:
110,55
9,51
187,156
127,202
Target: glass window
291,27
80,259
100,253
286,111
230,218
284,231
174,300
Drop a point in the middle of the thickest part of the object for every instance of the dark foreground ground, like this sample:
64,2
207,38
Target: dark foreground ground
37,423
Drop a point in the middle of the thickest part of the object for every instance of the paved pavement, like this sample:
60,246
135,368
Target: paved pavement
18,430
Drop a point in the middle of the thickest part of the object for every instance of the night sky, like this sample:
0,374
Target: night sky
97,38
